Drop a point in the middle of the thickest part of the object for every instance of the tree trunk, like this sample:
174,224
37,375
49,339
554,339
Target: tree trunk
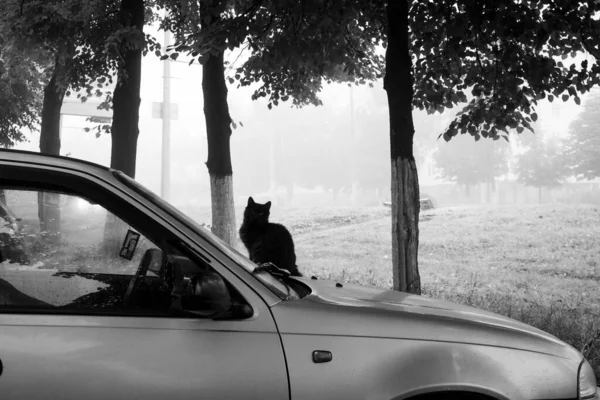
218,133
126,98
49,203
126,114
405,183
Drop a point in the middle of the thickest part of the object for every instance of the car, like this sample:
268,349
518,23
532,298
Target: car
136,300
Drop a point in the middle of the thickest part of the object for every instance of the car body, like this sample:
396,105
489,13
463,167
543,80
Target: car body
263,336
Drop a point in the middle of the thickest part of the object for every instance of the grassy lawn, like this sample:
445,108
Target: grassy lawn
549,253
537,264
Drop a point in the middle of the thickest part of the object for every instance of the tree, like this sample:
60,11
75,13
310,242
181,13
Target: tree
205,30
269,30
77,63
398,83
20,98
302,46
503,53
128,42
582,146
42,27
541,165
468,162
20,95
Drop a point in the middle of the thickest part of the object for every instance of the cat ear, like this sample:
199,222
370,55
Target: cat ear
251,201
268,205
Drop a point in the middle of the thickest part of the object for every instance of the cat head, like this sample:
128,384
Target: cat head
256,212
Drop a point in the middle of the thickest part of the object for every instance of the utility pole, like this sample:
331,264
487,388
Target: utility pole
354,193
272,168
166,125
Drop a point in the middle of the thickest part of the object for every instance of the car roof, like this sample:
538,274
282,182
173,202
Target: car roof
31,157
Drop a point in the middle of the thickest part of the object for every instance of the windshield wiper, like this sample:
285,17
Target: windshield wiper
272,269
277,273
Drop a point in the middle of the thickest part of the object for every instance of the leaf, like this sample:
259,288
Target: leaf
577,100
231,80
565,97
520,129
534,117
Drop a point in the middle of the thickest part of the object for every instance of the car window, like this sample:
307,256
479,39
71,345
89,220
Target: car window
61,253
276,286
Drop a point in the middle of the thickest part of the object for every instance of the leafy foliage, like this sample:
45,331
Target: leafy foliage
85,63
42,26
202,27
582,147
310,42
93,54
467,162
20,95
505,54
294,45
495,60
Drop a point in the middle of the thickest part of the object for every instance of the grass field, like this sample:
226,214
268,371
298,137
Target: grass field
537,264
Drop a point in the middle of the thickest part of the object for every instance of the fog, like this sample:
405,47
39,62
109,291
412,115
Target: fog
332,155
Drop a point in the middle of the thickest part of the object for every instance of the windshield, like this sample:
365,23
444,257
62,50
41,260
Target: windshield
279,288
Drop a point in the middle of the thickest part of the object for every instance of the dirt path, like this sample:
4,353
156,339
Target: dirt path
304,236
307,235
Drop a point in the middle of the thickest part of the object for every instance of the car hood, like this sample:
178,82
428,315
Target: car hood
362,311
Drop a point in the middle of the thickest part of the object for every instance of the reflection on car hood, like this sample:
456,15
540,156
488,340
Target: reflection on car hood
361,311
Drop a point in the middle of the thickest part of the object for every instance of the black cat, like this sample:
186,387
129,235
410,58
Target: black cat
266,241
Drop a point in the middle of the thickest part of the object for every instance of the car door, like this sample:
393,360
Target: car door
66,333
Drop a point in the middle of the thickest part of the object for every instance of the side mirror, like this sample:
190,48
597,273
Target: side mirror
201,291
210,289
155,260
